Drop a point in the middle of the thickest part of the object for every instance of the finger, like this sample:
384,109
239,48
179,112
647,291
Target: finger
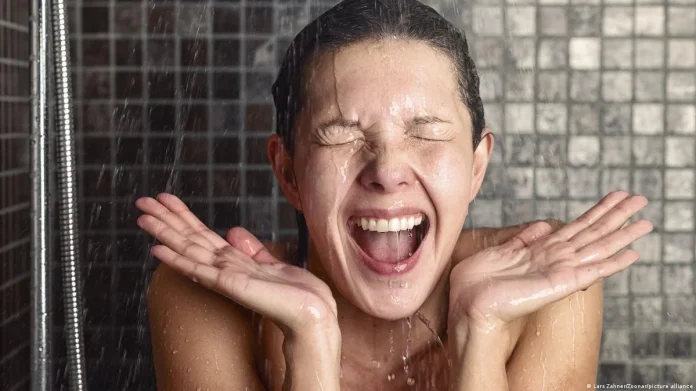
611,244
529,235
177,206
172,239
614,220
201,273
588,218
162,212
589,274
247,243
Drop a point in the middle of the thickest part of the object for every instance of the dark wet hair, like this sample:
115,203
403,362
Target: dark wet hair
354,21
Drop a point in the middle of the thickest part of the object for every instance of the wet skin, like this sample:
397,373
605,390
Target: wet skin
377,115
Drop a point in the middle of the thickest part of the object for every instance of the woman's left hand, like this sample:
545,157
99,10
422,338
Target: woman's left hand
491,289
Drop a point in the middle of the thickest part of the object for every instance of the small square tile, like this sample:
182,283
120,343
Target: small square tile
679,151
647,151
520,181
553,21
616,86
681,86
647,312
491,85
552,53
550,182
584,86
648,182
584,119
617,53
583,183
645,279
521,21
578,208
645,344
649,20
517,211
584,53
649,86
616,345
649,247
615,312
616,151
519,118
551,151
519,86
487,21
551,209
616,119
679,248
551,118
583,150
648,119
488,52
192,19
681,20
486,213
677,345
679,311
649,53
681,53
520,150
677,279
653,213
584,20
552,86
679,216
615,179
520,53
646,374
618,21
679,184
681,119
678,373
494,117
617,284
612,374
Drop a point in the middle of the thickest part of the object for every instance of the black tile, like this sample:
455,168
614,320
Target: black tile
95,52
194,52
160,20
95,20
161,85
258,86
225,118
162,118
287,216
645,344
129,52
611,373
226,183
259,20
226,52
194,183
226,150
161,151
226,20
226,85
194,150
259,183
194,118
129,150
259,117
96,85
160,52
128,118
129,85
97,280
677,345
161,180
256,150
225,215
96,150
194,85
96,117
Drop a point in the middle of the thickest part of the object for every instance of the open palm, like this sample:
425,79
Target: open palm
240,268
538,267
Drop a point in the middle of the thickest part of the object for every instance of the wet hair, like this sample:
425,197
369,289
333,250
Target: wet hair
355,21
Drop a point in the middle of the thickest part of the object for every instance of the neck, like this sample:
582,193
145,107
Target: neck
378,345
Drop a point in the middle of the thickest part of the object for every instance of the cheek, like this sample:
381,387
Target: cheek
447,172
323,183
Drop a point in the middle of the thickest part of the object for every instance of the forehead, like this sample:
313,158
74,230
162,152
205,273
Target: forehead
386,77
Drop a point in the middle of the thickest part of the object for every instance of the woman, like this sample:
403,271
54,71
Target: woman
380,147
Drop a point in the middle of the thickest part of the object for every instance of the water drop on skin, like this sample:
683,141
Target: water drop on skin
410,381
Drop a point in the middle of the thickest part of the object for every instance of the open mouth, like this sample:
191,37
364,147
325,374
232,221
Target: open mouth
389,240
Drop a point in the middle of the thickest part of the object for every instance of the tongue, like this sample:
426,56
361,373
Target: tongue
389,247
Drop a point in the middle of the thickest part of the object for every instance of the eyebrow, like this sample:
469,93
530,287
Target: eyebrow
345,123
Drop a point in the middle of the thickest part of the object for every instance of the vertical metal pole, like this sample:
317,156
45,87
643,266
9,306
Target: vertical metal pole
67,198
40,246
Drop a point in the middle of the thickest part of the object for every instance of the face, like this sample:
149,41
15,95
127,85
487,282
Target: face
384,170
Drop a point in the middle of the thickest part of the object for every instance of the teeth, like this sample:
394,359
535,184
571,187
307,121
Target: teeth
392,225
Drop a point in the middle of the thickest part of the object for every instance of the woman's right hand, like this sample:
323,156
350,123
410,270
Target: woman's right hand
240,268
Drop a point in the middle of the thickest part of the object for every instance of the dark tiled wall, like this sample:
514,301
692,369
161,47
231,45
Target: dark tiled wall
14,195
585,97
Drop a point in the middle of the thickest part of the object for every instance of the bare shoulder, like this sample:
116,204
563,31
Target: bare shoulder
199,338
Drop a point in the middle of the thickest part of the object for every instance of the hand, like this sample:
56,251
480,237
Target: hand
240,268
537,267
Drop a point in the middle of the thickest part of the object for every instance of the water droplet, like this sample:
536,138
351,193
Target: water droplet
391,377
410,381
175,351
207,362
188,370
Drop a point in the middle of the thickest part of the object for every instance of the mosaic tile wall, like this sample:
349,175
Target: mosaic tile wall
14,195
585,96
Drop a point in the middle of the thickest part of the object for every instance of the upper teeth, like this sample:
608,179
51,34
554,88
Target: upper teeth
390,225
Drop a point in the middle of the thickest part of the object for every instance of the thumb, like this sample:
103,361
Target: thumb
244,241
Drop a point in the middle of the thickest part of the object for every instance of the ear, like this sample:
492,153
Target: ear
281,162
482,155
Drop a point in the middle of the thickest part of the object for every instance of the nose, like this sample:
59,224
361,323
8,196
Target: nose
388,172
